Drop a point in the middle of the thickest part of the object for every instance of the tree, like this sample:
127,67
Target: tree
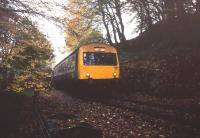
198,7
180,11
30,61
92,37
7,41
118,5
81,22
104,19
111,13
24,56
146,12
169,9
149,12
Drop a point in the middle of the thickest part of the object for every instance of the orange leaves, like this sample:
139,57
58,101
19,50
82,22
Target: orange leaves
80,22
31,56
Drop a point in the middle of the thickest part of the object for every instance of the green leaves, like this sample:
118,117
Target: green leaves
92,37
26,65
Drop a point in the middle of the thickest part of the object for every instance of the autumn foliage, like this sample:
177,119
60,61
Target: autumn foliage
25,57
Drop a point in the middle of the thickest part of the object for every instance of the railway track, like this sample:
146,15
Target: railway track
48,128
181,115
162,111
169,112
43,131
179,108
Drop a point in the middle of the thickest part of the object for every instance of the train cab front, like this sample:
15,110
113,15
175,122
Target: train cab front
99,65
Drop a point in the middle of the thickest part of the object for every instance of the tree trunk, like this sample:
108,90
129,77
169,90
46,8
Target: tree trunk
119,15
107,31
169,9
104,22
112,23
148,14
198,7
114,32
180,11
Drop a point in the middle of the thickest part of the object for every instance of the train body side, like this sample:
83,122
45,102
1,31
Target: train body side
67,68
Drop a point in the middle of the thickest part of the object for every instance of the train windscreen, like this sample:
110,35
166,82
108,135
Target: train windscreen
99,58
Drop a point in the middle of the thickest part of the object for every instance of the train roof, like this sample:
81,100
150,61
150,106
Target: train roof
95,44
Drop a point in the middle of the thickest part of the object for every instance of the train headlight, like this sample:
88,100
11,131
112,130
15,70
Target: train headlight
115,74
88,75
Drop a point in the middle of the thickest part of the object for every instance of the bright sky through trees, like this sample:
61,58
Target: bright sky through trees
55,34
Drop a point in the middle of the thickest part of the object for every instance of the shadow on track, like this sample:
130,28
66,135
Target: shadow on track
89,92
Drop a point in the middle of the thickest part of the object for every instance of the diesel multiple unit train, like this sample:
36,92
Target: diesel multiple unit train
88,63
